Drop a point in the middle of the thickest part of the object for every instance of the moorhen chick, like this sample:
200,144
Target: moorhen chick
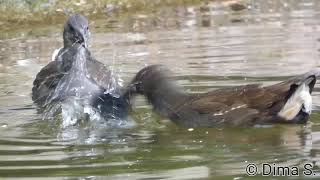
286,102
76,75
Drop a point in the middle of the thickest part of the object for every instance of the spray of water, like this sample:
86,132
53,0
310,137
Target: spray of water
75,90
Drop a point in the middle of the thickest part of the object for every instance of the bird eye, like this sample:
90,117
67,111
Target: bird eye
87,28
71,29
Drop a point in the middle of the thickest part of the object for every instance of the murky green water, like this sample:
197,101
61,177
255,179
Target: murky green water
218,47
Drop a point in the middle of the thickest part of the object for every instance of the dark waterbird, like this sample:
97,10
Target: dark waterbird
286,102
75,75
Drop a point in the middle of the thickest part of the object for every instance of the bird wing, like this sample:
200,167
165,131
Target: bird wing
104,77
249,103
237,105
45,82
224,99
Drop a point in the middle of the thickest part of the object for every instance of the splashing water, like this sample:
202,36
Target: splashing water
115,80
75,91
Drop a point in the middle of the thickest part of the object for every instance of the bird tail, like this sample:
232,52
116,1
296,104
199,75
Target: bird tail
299,98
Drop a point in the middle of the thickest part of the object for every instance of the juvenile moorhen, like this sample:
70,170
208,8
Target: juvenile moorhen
74,73
286,102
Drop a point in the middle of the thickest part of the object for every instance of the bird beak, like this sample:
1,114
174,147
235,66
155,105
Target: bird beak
85,44
132,89
85,38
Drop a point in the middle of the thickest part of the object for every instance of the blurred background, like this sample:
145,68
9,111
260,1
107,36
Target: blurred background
208,44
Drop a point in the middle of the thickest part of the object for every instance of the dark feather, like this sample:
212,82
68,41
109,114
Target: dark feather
97,83
242,105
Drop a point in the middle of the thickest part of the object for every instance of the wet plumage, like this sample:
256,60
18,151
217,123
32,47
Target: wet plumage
241,105
75,73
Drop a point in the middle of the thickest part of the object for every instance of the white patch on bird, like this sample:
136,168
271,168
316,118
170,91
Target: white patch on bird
220,113
55,54
237,107
300,98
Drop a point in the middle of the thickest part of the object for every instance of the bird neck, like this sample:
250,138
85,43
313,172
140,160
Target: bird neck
165,96
69,55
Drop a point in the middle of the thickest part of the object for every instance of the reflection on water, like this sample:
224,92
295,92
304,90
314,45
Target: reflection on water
209,46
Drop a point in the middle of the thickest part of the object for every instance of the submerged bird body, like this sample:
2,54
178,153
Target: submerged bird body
74,73
286,102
